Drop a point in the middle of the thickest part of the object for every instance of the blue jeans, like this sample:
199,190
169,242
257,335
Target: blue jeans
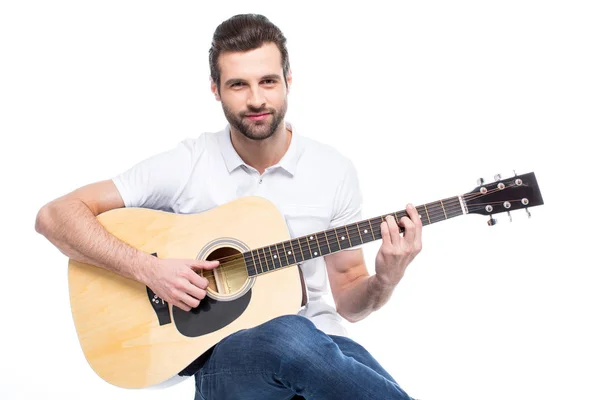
289,358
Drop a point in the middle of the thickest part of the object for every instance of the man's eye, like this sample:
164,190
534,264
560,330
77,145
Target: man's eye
269,81
237,84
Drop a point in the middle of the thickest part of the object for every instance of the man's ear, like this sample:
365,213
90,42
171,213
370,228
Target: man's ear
214,89
289,80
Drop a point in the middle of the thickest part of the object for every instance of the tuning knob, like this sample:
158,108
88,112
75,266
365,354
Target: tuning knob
492,221
497,177
509,216
528,213
479,181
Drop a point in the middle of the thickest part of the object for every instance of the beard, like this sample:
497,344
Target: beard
256,130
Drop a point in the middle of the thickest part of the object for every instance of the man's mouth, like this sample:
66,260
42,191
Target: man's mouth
257,117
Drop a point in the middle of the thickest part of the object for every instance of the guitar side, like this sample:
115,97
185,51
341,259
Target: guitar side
117,326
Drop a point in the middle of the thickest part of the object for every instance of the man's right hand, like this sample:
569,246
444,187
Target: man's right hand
177,282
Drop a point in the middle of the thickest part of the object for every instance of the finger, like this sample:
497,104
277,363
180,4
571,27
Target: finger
409,230
181,305
195,291
410,225
189,301
197,280
394,230
418,229
204,264
413,214
385,234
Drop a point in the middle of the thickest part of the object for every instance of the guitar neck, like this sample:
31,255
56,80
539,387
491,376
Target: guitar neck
300,249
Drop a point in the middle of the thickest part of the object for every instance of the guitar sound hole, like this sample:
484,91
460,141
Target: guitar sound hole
230,277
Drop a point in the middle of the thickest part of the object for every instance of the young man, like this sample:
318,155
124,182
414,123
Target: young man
314,186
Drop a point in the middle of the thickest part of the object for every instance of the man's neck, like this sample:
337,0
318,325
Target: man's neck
261,154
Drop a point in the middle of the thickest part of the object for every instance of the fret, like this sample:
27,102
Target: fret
302,253
367,231
457,207
442,203
249,265
314,252
272,258
337,238
259,263
436,214
420,213
335,245
342,236
276,257
290,249
328,251
345,239
360,236
427,212
376,231
348,238
354,234
282,254
322,243
268,265
285,251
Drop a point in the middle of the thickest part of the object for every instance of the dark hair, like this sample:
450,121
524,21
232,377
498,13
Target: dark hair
245,32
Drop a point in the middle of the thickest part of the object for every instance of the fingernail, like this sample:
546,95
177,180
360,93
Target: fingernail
410,205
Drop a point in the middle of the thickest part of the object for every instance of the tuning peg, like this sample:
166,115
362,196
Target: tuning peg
509,216
497,177
479,181
528,213
515,172
492,221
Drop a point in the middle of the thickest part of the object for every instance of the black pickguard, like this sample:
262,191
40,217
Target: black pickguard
210,316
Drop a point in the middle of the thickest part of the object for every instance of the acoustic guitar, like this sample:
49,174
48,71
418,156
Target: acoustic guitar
133,339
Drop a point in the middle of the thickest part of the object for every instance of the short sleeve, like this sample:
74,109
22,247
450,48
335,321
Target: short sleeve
156,181
347,207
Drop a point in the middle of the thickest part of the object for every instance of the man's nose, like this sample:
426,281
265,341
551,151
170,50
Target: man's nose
256,98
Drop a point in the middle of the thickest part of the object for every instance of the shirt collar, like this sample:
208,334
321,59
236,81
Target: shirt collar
288,162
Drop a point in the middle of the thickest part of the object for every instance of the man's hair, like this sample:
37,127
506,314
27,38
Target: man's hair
245,32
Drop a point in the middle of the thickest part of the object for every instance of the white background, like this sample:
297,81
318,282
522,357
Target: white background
425,97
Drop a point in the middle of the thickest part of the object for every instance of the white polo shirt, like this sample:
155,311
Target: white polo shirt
314,186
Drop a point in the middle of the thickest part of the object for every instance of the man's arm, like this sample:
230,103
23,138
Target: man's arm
70,223
357,294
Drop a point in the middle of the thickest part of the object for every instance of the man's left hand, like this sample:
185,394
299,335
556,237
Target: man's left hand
398,251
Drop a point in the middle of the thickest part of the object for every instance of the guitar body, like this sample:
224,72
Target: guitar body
133,339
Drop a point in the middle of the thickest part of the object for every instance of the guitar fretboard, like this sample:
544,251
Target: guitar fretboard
300,249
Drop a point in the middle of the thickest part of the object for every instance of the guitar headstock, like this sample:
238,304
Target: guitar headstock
504,195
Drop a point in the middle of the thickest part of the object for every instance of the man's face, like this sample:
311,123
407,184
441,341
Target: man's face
253,91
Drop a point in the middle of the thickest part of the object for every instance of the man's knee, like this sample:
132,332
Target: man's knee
288,325
287,338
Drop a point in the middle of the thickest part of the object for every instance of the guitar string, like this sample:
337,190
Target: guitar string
297,247
366,221
238,262
468,196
